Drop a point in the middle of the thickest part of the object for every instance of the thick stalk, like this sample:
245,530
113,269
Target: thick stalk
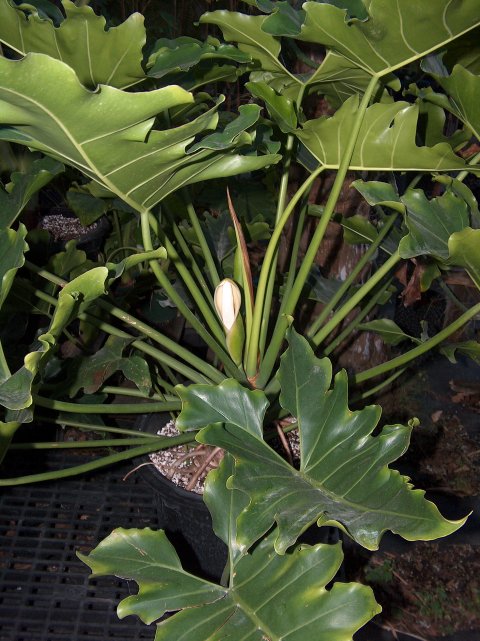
109,408
218,338
292,269
207,374
352,302
294,295
252,355
377,388
282,198
342,290
76,445
173,254
100,462
356,321
136,393
4,369
197,227
403,359
92,427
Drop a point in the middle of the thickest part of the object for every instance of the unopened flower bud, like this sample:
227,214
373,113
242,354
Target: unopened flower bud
228,300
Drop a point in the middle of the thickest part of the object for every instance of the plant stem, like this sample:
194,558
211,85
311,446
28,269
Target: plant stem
99,463
354,300
206,369
282,197
218,338
252,355
294,295
65,422
4,369
75,445
197,227
136,393
377,388
356,321
420,349
110,408
342,290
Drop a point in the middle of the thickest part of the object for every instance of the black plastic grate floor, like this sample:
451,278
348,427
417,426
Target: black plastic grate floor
45,590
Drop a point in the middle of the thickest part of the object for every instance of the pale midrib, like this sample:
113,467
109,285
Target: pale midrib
101,178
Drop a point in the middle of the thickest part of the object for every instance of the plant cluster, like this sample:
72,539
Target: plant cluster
192,190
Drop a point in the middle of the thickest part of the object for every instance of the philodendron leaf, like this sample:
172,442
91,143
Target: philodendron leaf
183,53
227,402
344,478
430,223
248,33
99,56
463,248
281,109
388,330
463,90
269,597
108,134
12,248
393,34
467,348
23,186
386,141
91,372
16,391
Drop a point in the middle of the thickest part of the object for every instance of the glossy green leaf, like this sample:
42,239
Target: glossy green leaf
181,54
227,402
344,478
386,141
461,190
235,132
430,223
90,373
98,55
338,79
85,206
16,391
247,31
463,249
270,597
467,348
395,33
281,109
388,330
12,249
463,90
108,134
23,186
379,193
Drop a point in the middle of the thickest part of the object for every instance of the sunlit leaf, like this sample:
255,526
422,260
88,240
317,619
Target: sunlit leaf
98,55
281,109
12,249
386,141
393,34
108,134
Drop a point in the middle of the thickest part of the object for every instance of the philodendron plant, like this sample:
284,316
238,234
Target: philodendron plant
387,89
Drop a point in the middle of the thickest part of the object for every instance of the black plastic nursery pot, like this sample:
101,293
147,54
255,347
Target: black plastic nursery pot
183,515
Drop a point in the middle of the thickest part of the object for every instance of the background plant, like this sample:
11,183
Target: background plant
145,130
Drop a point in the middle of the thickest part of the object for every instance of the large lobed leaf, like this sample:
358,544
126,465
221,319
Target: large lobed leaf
344,478
394,33
270,596
386,141
108,134
98,55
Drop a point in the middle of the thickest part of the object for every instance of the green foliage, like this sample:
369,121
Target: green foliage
156,162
